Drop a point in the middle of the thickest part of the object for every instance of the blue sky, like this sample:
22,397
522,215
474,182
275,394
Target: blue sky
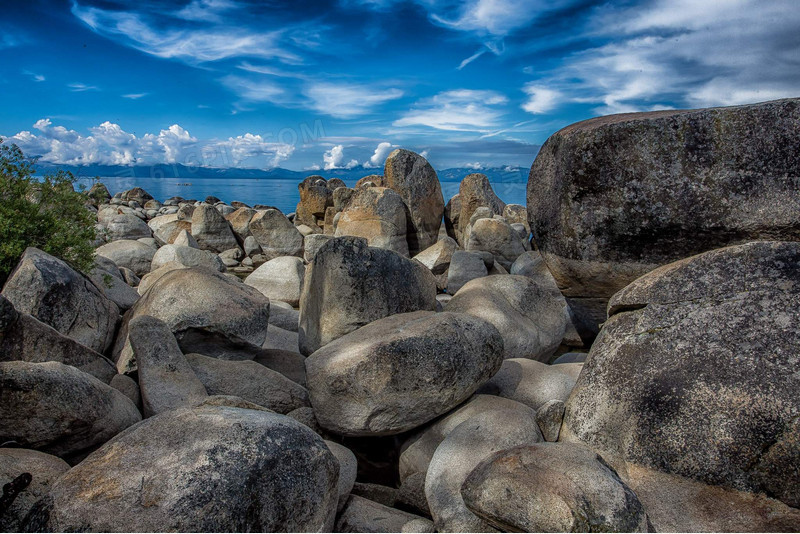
322,85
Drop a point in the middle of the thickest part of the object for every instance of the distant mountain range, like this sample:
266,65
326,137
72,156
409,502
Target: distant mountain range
496,175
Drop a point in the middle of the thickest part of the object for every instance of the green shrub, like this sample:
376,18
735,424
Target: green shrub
45,213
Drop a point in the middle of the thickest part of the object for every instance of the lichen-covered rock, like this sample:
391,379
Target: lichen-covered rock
530,316
697,370
400,372
611,198
415,180
205,469
50,290
377,214
57,409
552,487
350,284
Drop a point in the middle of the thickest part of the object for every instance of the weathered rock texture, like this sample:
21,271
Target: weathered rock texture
697,371
611,198
377,214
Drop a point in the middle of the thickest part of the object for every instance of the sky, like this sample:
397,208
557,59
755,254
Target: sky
323,85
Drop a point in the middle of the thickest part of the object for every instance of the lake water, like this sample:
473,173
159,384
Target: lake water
270,191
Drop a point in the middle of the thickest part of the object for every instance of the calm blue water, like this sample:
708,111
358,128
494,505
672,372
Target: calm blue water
273,192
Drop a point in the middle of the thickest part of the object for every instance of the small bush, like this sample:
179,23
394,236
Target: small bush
47,214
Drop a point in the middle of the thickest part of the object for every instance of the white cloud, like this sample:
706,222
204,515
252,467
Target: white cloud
471,58
494,17
255,91
205,10
474,166
458,110
314,167
379,156
109,144
333,158
540,99
81,87
348,100
33,75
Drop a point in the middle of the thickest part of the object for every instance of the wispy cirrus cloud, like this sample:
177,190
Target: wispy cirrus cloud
347,100
457,110
78,87
135,96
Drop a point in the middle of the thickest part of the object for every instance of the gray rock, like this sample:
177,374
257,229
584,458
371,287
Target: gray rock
532,383
200,306
57,409
312,243
517,214
186,257
411,495
211,230
341,197
611,198
701,355
418,449
251,246
552,487
377,214
571,357
347,471
24,338
284,318
50,290
240,221
250,381
350,284
204,469
110,282
378,493
410,175
305,415
464,266
128,387
276,235
363,515
498,237
437,257
44,470
460,452
400,372
125,226
279,279
166,379
530,316
475,192
452,217
132,254
549,417
129,276
167,228
290,364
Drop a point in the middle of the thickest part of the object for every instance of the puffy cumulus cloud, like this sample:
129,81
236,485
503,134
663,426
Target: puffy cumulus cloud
540,99
476,166
334,158
348,100
457,110
379,156
109,144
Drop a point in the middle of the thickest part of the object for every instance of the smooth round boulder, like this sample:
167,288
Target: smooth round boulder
377,214
497,237
125,226
54,293
350,284
211,230
187,257
614,197
532,383
400,372
552,487
413,178
57,409
529,315
212,468
276,235
279,279
697,371
475,192
464,266
166,228
132,254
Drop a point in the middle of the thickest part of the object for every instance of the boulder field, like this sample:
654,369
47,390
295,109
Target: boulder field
620,355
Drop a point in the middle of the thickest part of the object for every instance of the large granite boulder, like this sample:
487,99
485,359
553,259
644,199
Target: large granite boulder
125,226
315,198
377,214
211,230
167,227
200,306
460,452
211,468
276,234
533,383
57,409
240,221
552,487
697,371
128,253
53,292
475,192
280,279
400,372
43,469
530,316
364,515
611,198
464,267
497,237
350,284
186,257
414,179
24,338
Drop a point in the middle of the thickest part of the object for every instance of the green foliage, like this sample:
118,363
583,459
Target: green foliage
45,213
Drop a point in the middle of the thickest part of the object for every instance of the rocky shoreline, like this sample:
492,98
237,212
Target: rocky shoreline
621,354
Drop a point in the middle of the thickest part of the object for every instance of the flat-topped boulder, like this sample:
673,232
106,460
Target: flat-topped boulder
614,197
377,214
